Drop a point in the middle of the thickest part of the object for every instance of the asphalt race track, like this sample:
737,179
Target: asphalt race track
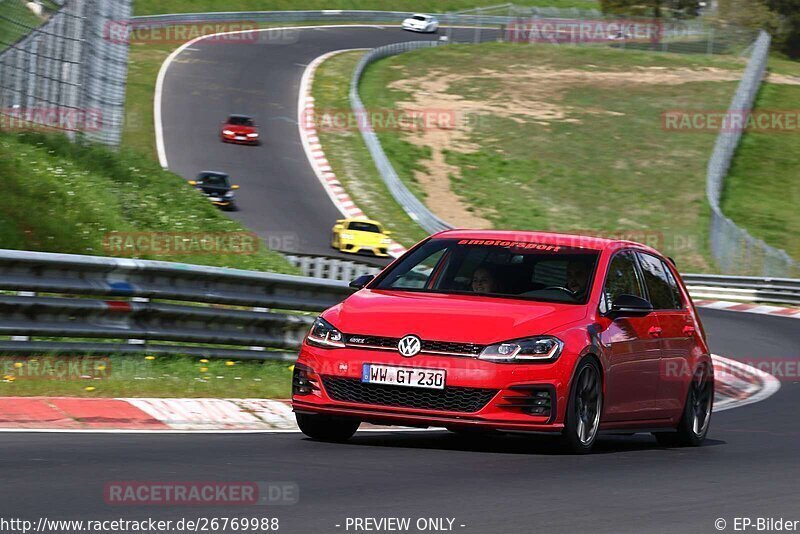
281,199
748,467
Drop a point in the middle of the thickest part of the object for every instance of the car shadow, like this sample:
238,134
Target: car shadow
506,443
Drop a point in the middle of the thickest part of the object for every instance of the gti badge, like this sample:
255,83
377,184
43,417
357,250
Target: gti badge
409,346
343,367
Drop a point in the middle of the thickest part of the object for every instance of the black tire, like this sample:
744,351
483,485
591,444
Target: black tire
326,427
693,426
582,420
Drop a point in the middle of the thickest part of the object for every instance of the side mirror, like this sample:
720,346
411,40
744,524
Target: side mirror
630,306
361,281
192,182
234,187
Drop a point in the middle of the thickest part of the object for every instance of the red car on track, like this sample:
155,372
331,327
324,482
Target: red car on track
240,129
516,332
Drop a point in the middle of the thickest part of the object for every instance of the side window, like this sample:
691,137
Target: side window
621,280
658,285
673,285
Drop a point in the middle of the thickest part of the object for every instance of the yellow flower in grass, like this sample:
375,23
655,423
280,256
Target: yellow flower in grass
150,358
204,360
204,369
9,378
230,363
89,388
18,365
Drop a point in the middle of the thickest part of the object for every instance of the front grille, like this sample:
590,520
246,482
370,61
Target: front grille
454,347
450,399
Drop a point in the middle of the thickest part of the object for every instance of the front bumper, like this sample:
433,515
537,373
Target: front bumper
495,396
356,248
233,139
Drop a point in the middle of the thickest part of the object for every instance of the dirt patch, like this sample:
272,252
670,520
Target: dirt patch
782,79
527,94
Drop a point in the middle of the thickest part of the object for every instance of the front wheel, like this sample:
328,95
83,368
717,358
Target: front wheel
326,427
585,404
696,417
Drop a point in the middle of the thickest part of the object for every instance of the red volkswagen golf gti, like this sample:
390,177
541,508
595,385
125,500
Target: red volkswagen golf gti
516,332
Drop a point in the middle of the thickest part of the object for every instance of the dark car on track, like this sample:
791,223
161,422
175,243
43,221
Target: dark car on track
240,129
217,187
512,332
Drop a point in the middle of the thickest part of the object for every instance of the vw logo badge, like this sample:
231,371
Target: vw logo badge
409,346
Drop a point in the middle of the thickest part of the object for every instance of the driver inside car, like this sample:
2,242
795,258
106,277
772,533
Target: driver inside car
577,278
483,280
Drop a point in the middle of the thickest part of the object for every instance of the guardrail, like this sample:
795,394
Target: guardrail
743,288
74,302
402,195
231,311
733,248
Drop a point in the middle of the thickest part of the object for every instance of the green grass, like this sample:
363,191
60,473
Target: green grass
66,197
349,158
17,20
153,7
762,190
605,173
135,376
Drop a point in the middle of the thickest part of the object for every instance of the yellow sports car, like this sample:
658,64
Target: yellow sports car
360,235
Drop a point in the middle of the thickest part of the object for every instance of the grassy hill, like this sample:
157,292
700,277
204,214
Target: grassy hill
65,197
546,137
152,7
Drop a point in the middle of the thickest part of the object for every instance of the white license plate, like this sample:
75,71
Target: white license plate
240,138
403,376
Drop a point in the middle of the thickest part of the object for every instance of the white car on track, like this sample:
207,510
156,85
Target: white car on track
421,23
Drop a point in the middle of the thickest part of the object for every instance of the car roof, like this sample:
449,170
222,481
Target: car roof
422,15
239,116
213,173
547,238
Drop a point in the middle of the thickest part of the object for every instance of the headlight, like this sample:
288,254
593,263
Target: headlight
229,194
227,132
323,334
252,135
345,235
386,241
540,348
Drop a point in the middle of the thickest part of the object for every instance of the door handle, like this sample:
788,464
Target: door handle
655,331
688,331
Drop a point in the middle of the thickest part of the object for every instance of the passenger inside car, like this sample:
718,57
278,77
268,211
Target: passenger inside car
484,280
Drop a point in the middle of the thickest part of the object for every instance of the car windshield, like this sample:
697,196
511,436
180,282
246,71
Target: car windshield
511,269
361,226
213,180
419,17
240,121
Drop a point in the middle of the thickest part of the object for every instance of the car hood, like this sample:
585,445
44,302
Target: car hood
239,129
440,317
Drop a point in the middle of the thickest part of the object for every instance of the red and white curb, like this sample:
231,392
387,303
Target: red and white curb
316,156
748,308
737,385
